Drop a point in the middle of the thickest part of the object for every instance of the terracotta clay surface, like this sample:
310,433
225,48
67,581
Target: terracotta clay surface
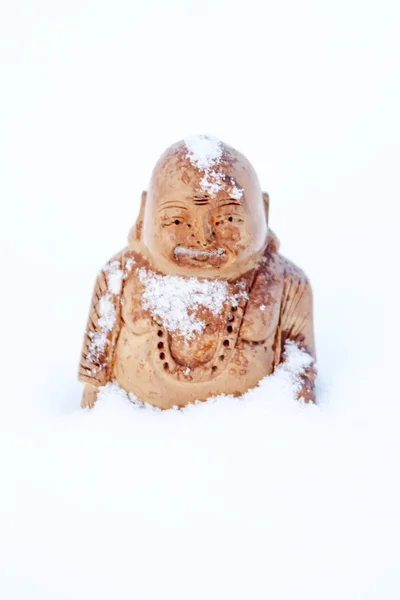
201,302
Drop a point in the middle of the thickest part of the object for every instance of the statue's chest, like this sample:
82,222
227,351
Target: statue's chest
195,323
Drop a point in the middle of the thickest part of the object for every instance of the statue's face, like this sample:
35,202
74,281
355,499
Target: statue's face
204,223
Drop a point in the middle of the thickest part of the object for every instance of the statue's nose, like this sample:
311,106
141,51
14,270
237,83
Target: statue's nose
204,232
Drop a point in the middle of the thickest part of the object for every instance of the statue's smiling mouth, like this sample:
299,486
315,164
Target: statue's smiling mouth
215,257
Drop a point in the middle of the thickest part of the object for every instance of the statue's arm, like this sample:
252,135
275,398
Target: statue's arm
96,362
297,325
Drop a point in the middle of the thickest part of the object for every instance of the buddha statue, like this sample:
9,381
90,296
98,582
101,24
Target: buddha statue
200,303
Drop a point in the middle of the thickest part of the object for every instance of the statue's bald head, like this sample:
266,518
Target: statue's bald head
204,214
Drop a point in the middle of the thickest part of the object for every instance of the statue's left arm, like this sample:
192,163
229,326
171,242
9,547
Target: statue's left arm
297,324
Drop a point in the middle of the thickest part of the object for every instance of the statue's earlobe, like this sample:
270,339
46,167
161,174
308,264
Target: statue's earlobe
136,231
266,204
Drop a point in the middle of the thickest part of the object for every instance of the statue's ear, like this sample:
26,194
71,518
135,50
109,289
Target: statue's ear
136,232
139,221
266,204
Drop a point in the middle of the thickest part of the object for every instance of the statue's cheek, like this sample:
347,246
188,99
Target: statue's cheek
229,234
169,236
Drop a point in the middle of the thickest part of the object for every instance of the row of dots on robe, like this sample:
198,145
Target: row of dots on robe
229,329
160,347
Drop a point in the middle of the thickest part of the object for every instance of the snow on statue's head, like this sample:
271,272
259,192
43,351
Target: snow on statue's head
204,214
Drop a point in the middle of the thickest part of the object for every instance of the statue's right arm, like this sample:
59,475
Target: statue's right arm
96,362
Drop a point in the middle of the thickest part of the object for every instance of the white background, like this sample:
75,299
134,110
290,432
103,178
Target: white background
91,94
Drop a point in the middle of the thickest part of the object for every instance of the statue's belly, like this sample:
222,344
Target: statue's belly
165,373
200,351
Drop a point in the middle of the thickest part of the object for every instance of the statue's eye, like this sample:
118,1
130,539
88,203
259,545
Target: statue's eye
235,219
168,221
221,220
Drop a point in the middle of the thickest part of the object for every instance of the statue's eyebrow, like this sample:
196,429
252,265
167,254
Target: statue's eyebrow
229,204
171,204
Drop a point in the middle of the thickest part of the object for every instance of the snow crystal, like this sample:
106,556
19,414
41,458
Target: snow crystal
99,339
236,192
115,276
128,266
173,300
204,151
212,182
107,312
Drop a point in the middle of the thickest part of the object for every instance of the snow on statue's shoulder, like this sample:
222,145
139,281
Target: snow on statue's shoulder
114,276
107,313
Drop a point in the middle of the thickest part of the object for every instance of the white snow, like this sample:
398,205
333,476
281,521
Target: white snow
114,276
199,253
205,153
107,312
99,338
128,266
175,301
212,182
236,192
251,499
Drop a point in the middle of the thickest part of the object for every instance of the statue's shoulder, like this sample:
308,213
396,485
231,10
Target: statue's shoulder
277,266
278,285
279,276
124,259
295,285
122,268
291,271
